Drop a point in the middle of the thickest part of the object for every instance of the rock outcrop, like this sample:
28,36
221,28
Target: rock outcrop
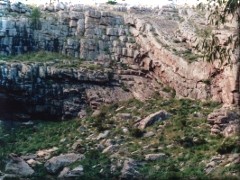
56,163
152,118
17,166
153,51
46,90
224,122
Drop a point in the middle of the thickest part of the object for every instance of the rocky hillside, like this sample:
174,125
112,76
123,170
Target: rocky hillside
142,102
155,139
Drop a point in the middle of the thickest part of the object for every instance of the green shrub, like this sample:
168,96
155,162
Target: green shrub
112,2
135,132
99,122
229,145
35,18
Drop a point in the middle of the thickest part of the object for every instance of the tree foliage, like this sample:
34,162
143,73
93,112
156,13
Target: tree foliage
112,2
35,18
221,12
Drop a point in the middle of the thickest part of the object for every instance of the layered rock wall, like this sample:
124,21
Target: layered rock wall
81,32
150,49
196,80
49,92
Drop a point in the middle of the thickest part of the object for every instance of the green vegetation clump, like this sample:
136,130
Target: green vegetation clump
35,18
40,56
229,145
112,2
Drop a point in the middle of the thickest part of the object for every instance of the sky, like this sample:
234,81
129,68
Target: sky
131,2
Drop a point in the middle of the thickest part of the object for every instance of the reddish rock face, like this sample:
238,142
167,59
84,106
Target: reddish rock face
161,54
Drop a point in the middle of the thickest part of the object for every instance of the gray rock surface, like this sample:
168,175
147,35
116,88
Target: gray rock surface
55,164
154,157
129,170
152,118
224,121
67,173
18,166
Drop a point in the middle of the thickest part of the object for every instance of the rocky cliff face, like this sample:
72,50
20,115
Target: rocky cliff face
197,79
47,90
80,31
156,50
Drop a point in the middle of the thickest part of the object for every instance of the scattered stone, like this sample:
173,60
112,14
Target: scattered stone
215,131
154,157
46,153
125,130
33,162
82,114
63,173
100,147
109,142
96,113
56,163
124,116
110,149
74,173
129,170
152,118
120,108
18,166
77,144
231,130
28,123
63,140
148,134
103,135
211,164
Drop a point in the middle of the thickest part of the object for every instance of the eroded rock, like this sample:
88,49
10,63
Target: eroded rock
152,118
224,121
56,163
154,157
129,170
18,166
67,173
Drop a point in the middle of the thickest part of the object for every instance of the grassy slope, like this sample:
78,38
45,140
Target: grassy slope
186,156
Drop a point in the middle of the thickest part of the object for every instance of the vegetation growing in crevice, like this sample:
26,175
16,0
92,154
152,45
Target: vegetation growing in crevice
35,18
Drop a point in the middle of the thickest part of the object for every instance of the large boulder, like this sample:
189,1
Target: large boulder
152,118
18,166
57,163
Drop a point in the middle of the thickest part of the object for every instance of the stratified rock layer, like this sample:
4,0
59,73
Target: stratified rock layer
152,49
